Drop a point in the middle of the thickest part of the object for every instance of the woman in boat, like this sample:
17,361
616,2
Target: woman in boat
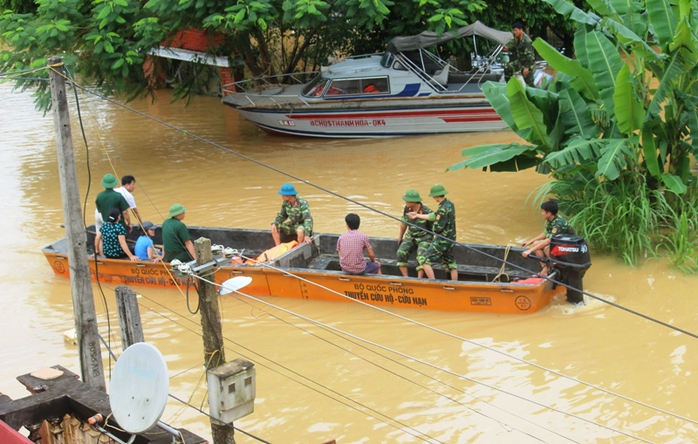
111,239
145,250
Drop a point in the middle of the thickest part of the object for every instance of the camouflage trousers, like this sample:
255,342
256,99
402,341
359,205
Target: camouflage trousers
513,68
439,250
288,228
408,246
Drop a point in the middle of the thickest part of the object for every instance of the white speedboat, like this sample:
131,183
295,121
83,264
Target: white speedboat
407,90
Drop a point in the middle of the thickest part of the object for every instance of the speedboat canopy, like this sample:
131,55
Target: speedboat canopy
429,38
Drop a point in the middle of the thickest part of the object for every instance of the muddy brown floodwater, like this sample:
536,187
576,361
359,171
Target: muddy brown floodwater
601,374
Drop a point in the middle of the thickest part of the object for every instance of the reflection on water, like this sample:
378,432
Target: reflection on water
451,384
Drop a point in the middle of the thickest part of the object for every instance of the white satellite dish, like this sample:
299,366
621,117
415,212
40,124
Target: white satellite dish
139,388
234,284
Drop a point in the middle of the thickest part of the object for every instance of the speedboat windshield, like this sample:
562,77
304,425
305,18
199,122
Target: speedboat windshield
387,59
316,86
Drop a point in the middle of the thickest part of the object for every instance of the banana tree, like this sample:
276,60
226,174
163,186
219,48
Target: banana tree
625,106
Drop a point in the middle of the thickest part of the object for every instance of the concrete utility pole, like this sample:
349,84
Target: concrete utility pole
214,350
83,302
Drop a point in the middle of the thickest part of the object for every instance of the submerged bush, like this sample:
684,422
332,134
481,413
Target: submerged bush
632,220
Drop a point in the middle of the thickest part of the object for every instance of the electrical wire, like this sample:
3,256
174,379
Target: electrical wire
348,403
422,386
377,211
474,343
428,364
310,184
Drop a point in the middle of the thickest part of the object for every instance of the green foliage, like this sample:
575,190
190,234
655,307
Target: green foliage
615,129
107,41
619,219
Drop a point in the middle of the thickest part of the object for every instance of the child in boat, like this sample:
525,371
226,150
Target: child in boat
111,239
351,246
145,250
555,224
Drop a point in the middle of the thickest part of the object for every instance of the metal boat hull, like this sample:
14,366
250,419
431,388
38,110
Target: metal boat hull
391,119
312,272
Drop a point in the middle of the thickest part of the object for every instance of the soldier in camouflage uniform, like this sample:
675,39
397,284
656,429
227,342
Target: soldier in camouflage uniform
522,58
444,220
413,237
294,217
554,225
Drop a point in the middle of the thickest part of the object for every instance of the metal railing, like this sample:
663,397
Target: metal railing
266,82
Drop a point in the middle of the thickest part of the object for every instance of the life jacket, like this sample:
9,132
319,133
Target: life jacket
272,253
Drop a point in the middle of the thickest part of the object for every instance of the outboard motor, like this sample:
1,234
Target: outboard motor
570,255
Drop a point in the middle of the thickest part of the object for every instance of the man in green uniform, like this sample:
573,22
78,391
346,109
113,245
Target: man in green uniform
176,242
413,237
444,224
294,217
108,199
522,58
554,224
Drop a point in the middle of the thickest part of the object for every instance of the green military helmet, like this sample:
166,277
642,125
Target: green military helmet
176,210
438,190
109,181
412,196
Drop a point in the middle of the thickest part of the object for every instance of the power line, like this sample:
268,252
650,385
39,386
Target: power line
389,420
382,213
318,187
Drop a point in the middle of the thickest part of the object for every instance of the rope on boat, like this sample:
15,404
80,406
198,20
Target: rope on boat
501,273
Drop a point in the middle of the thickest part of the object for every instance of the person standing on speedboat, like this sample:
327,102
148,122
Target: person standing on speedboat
522,57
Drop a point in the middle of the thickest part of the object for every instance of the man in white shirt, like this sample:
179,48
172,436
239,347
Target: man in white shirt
128,184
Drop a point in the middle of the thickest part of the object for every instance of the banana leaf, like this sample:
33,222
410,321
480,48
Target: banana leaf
496,94
582,80
668,79
547,102
614,157
604,8
623,7
526,115
690,104
569,11
663,21
629,38
674,183
649,150
604,64
630,111
496,153
578,151
522,162
684,38
580,50
575,115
